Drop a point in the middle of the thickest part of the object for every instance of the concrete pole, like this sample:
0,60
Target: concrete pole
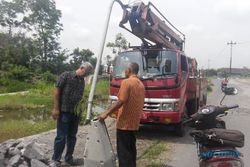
93,86
231,55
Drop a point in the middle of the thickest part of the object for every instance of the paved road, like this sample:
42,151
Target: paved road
184,151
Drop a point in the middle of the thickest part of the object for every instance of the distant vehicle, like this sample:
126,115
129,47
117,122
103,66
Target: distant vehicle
224,84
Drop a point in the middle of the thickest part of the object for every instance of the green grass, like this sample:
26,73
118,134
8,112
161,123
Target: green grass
155,155
100,98
210,85
156,164
155,150
38,98
30,100
16,129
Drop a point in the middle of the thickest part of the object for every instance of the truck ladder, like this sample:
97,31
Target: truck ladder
149,27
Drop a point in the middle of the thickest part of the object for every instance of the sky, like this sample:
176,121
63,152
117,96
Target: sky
207,24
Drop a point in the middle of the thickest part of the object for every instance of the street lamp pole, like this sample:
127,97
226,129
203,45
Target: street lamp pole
93,86
231,54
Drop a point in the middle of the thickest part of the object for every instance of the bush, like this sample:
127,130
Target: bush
48,77
11,85
43,88
20,73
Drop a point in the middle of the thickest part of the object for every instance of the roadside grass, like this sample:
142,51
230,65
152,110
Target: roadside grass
154,156
156,164
100,98
39,98
210,85
17,129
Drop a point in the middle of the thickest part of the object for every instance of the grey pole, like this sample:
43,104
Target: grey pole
231,55
92,90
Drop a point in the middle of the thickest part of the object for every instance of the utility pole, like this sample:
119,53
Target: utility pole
208,64
231,54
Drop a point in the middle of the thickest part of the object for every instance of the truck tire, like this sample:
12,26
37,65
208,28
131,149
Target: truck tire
204,99
191,107
180,128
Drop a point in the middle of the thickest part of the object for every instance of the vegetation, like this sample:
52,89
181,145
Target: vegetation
117,46
152,155
29,47
210,85
32,110
17,129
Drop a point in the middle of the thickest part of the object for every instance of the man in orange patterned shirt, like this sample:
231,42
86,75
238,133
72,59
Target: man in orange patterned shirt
129,106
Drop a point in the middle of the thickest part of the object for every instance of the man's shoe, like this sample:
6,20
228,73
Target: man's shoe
55,164
72,162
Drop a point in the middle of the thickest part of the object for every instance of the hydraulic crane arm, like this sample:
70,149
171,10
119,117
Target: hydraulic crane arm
146,25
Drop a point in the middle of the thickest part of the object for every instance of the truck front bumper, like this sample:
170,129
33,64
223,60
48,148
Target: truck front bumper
161,117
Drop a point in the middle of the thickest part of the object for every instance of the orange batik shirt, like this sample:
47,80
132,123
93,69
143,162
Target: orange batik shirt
131,93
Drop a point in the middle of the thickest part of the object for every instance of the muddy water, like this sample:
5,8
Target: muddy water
33,115
19,123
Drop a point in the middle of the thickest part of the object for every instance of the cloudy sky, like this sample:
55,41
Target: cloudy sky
208,26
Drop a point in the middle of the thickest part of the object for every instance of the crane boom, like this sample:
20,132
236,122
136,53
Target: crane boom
146,25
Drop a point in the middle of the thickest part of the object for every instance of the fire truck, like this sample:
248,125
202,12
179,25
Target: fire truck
174,88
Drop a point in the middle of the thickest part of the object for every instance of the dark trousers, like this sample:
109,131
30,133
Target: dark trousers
126,148
67,126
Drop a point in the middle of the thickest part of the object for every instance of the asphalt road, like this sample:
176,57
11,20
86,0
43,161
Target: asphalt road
184,149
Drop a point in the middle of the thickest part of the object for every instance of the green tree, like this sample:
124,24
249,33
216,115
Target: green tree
79,56
17,50
44,19
119,44
11,14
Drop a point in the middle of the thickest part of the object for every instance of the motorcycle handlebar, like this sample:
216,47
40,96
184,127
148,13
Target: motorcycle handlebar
233,106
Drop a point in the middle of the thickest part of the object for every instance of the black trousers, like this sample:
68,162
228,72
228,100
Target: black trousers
126,148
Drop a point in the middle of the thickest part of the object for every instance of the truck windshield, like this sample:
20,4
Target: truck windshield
160,63
152,63
122,61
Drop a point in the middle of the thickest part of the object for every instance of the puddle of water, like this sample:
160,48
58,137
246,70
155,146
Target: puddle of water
25,115
20,123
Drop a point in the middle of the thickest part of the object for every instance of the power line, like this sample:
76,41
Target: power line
245,42
222,51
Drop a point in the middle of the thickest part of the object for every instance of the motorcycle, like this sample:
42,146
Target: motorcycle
216,145
224,85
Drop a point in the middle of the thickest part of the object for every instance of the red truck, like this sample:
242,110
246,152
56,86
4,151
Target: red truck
173,87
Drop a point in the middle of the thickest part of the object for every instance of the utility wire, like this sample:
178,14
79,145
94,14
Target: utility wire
245,42
220,53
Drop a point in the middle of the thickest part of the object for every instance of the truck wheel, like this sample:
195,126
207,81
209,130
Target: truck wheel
192,107
204,99
180,128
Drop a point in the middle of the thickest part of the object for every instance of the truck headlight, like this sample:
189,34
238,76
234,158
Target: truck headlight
170,106
167,107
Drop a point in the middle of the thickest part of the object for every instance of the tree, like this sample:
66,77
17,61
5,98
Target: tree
79,56
17,50
44,19
11,14
119,44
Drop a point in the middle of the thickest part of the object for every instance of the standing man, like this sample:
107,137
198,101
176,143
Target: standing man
68,92
130,106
